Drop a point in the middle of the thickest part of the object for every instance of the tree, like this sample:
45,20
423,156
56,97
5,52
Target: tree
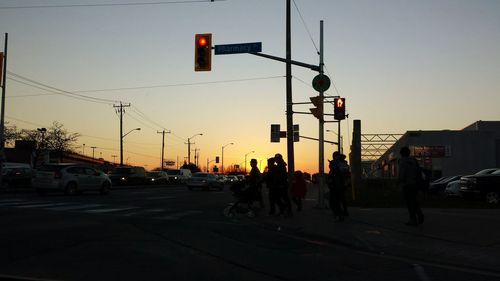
56,138
11,134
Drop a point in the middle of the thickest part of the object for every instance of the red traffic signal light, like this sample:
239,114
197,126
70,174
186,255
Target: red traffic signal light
318,110
203,52
339,108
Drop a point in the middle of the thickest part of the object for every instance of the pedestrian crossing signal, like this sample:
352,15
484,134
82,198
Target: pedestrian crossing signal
203,52
339,108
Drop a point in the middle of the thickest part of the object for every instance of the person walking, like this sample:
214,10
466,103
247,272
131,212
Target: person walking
336,185
298,189
281,181
408,172
254,180
273,192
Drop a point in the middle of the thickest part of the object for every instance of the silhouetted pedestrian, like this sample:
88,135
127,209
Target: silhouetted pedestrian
270,180
281,181
254,180
336,184
298,189
408,171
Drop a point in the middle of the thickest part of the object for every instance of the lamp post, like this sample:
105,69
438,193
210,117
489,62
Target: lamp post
231,143
246,160
121,144
189,146
93,151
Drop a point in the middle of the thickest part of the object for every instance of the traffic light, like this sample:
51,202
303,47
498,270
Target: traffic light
203,52
318,110
339,108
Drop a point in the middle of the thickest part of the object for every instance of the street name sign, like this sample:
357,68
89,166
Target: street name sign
240,48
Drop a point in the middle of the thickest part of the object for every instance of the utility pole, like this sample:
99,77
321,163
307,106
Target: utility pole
321,136
119,110
289,100
163,146
93,150
196,156
3,81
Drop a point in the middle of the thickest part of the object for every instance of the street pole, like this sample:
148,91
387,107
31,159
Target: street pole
289,100
231,143
3,82
321,148
93,150
119,110
163,146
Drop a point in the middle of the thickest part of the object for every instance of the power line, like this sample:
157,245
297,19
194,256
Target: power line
180,84
305,25
51,89
107,5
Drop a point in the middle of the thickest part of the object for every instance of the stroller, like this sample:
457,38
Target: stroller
245,196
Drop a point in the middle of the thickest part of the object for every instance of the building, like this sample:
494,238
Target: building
448,152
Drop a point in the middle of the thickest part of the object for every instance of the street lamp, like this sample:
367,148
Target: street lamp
231,143
189,146
246,160
121,144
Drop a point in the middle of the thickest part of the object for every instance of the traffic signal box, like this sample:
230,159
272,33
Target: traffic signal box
318,110
339,108
203,52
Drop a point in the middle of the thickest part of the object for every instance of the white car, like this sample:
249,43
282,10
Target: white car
70,179
453,189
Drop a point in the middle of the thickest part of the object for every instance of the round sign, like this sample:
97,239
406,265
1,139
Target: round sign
321,83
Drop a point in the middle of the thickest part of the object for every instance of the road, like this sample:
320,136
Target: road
170,233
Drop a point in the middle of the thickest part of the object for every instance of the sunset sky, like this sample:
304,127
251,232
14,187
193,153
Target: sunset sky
401,65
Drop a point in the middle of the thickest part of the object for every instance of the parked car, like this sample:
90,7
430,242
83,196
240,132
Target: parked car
484,184
70,178
128,175
16,175
204,181
157,177
453,189
178,175
439,186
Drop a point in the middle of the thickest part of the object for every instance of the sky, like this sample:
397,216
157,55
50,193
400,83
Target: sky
401,65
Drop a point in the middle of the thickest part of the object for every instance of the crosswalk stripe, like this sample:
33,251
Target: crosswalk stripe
74,207
41,205
13,204
146,211
108,210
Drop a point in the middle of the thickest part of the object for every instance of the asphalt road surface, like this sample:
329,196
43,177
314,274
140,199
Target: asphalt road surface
171,233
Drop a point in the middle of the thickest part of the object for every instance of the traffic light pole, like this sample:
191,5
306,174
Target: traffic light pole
289,101
321,144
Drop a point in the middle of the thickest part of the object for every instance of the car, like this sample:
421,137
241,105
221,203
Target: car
453,189
70,178
178,175
16,175
231,179
157,177
126,175
438,186
204,181
484,184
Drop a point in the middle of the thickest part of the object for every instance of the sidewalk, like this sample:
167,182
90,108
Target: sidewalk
465,238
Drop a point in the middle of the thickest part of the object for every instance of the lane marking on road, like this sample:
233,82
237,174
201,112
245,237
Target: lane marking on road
158,197
108,210
13,204
146,211
41,205
176,216
74,207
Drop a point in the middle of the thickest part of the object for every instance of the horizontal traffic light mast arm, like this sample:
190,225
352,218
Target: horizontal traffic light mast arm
298,63
330,142
301,112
